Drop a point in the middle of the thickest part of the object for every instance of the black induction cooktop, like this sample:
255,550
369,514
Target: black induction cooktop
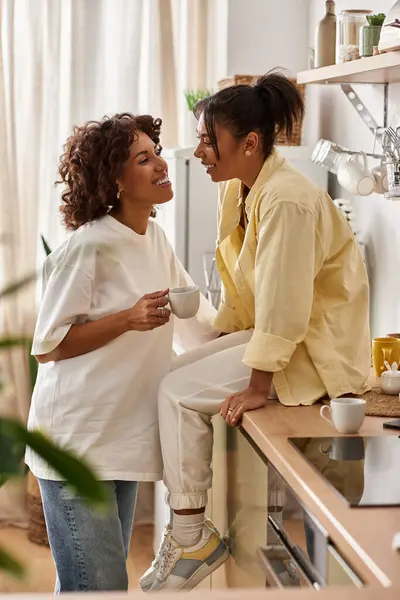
365,471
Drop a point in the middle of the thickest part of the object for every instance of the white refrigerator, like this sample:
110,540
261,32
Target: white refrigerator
189,221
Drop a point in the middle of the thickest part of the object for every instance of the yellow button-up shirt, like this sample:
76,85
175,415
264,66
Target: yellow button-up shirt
296,276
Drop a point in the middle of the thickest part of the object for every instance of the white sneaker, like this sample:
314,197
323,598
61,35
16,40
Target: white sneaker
147,580
184,568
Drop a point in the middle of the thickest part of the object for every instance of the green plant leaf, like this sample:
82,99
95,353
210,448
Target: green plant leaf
194,96
15,287
33,367
71,469
11,455
376,20
11,342
10,564
46,247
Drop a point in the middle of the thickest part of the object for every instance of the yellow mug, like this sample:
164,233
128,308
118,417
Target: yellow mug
385,349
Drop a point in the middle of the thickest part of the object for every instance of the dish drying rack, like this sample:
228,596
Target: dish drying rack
390,141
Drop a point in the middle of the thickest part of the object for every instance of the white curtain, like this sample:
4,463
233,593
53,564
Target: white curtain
63,62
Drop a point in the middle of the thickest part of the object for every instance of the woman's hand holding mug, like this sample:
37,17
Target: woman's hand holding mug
149,312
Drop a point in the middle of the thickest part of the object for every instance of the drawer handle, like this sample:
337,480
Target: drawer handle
293,568
270,575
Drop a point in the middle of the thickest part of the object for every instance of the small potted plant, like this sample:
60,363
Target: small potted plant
192,98
370,34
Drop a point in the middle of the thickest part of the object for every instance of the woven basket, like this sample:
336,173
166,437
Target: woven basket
37,532
282,139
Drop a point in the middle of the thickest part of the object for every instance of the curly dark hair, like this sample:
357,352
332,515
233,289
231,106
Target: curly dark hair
92,161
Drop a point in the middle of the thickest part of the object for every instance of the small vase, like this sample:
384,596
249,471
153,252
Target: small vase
369,37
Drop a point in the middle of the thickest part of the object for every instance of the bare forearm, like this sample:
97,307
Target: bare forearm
86,337
261,381
147,314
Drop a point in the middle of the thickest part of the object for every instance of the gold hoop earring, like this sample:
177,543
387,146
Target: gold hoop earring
248,153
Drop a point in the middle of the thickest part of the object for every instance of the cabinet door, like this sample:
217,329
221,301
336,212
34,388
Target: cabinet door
238,507
339,572
248,493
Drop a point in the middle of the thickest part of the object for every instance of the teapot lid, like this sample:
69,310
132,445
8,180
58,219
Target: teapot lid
391,374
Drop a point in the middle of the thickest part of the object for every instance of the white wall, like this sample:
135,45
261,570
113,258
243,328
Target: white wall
263,34
331,115
266,33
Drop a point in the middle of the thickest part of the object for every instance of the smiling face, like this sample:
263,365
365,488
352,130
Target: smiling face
144,176
232,158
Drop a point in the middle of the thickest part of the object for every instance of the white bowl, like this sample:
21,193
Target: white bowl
390,384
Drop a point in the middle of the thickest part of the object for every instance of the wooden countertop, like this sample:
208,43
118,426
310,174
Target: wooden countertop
345,593
363,535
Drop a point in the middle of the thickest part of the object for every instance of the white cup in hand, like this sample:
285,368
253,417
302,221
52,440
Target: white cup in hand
184,301
355,176
381,179
345,414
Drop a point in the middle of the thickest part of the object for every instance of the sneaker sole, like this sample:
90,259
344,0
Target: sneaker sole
146,588
201,573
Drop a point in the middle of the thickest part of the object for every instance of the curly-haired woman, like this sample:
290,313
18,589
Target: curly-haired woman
104,341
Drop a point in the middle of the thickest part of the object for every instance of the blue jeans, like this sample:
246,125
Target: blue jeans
89,549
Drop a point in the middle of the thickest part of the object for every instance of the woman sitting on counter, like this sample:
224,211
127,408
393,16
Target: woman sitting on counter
294,303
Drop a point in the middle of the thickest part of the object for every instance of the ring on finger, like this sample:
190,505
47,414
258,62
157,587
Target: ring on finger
230,411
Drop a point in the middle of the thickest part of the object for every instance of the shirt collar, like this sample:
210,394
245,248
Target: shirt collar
232,199
271,164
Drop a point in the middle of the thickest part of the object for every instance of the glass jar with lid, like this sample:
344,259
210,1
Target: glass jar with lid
349,23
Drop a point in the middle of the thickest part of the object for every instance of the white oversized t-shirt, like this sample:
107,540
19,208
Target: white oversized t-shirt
103,404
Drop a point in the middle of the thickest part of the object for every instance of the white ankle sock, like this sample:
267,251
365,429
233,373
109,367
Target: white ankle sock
187,529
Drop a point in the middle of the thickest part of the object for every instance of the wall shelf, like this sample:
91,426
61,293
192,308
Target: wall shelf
384,68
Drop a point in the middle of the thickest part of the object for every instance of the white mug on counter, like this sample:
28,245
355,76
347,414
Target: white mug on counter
184,301
355,176
345,414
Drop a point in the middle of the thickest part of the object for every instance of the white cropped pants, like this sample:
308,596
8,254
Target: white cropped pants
189,396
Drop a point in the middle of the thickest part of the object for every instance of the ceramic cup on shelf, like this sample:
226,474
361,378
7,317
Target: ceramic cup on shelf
184,301
384,349
355,176
345,414
381,179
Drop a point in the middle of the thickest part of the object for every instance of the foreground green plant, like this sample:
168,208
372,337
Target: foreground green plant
14,437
